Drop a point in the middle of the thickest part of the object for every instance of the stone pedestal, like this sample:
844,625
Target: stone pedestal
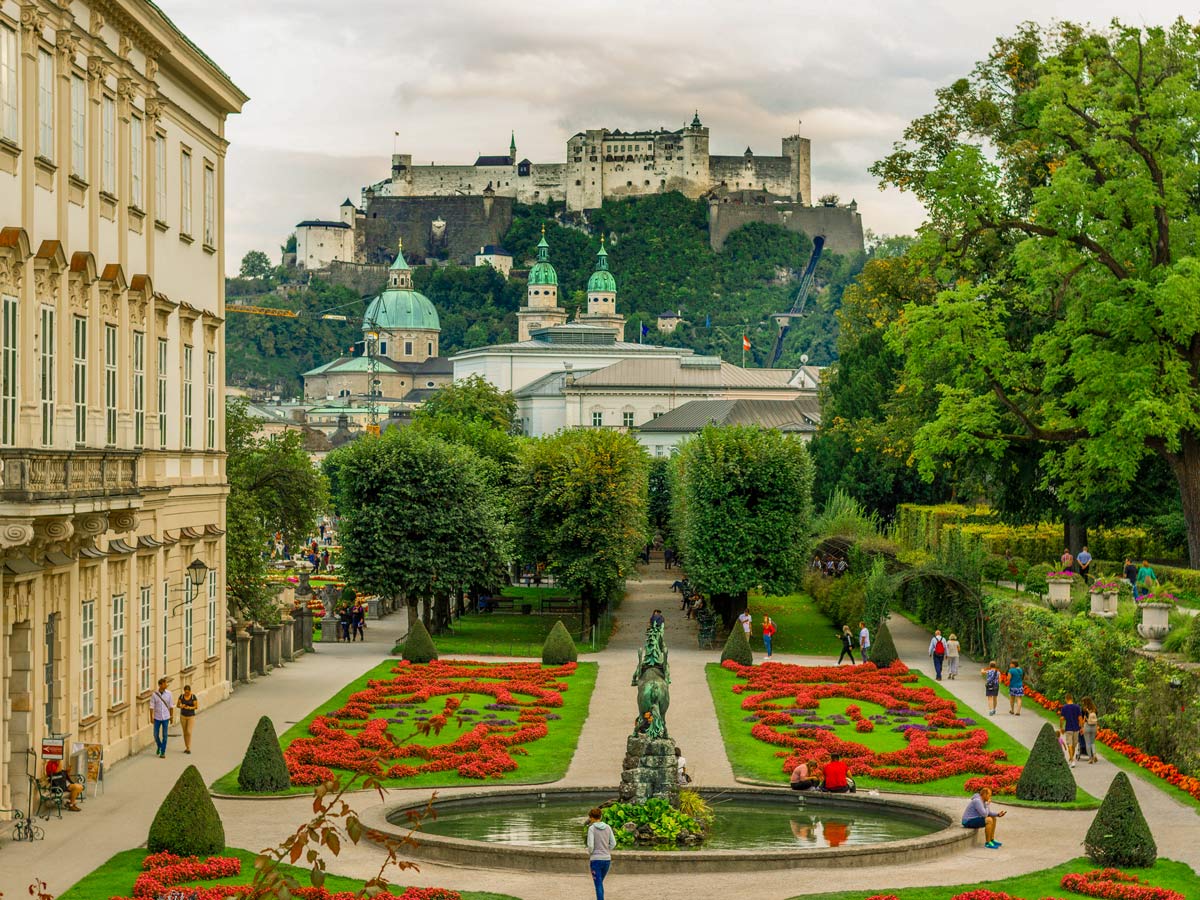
243,657
1103,604
1060,593
306,630
1155,625
374,609
274,645
258,650
650,770
329,629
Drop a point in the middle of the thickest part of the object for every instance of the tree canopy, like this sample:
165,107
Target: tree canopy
743,507
1059,178
255,264
472,399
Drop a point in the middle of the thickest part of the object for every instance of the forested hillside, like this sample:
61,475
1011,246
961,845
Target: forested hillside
659,252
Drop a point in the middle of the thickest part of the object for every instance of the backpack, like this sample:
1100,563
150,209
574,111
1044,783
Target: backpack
993,678
939,647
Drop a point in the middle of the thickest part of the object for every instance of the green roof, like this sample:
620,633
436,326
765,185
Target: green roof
397,309
602,279
542,272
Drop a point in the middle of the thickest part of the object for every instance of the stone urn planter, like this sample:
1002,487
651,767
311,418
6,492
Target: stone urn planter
1104,603
1154,627
1060,592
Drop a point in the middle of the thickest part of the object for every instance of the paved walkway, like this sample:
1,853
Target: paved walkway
1033,839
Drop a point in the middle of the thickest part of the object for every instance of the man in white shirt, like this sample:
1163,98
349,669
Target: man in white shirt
161,706
864,640
745,619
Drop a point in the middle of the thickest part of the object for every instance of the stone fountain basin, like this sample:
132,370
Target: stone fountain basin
390,820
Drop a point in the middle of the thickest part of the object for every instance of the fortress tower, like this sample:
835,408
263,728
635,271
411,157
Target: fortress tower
541,307
602,298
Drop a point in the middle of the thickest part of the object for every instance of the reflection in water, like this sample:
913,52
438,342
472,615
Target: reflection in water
740,824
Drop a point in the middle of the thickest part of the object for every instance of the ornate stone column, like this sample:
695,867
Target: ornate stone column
258,650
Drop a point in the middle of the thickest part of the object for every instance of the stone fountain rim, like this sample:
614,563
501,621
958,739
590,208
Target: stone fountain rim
484,855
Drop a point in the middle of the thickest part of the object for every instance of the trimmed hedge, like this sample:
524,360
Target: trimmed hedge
737,647
1119,836
1046,777
418,646
559,648
263,767
187,823
883,648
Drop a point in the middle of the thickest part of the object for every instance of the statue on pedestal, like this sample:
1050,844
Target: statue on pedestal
652,678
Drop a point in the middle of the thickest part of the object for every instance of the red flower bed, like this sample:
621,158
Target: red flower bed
804,687
1116,885
162,871
356,737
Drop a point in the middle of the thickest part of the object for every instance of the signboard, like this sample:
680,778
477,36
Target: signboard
53,748
95,762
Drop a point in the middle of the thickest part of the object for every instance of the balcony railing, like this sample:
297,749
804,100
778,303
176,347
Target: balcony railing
30,476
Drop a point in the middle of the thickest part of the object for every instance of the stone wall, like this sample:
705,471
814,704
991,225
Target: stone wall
772,174
470,223
359,277
841,225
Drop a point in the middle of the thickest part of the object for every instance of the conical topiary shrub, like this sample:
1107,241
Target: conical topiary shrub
418,646
737,647
263,768
883,648
1046,777
187,823
559,648
1119,836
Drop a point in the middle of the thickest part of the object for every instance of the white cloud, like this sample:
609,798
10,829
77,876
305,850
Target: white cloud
330,83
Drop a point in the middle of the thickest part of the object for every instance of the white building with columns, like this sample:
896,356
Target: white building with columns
112,471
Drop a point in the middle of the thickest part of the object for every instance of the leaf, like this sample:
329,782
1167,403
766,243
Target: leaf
333,843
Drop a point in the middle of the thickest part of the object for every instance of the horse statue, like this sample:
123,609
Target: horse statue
651,678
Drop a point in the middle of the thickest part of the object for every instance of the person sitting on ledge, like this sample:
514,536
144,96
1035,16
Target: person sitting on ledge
835,772
58,778
979,814
802,777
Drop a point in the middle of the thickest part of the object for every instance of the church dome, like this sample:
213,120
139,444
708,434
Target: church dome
542,272
400,307
602,279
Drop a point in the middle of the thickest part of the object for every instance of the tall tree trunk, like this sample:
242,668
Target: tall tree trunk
1074,533
441,613
413,610
590,601
1186,467
427,613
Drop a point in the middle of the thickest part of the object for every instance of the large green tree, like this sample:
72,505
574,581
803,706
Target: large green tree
581,507
743,506
273,486
1060,181
418,519
472,399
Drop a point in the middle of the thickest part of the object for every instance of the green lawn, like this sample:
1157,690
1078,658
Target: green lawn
547,758
802,628
115,878
1046,883
755,759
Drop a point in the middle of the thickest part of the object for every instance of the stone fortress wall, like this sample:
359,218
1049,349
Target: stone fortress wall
841,225
443,227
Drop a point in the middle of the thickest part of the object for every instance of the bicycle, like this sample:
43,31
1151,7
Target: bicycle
24,829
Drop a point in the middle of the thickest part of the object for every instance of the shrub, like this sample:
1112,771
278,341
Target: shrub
187,823
1035,578
263,767
1193,640
1046,777
883,648
995,568
1119,835
559,648
418,646
737,647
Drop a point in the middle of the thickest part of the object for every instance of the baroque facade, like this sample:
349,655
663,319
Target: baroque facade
112,153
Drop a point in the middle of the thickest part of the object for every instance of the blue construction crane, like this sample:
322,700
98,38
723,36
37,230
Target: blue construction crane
784,320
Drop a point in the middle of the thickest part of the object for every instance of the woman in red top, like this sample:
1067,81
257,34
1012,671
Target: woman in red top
768,631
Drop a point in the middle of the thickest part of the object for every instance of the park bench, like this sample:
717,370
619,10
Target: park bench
561,604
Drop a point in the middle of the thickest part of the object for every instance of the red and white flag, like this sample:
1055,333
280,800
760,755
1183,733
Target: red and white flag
745,342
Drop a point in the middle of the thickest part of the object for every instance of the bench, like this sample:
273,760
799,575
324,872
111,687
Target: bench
561,604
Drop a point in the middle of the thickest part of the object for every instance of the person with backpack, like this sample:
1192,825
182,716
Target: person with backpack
847,645
991,685
768,633
937,651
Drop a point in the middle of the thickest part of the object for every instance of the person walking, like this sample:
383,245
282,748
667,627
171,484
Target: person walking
1016,688
937,652
847,645
952,650
768,631
864,641
161,706
1091,725
991,685
358,621
1085,564
1146,579
1069,716
1130,571
746,621
600,843
668,558
344,621
188,704
979,814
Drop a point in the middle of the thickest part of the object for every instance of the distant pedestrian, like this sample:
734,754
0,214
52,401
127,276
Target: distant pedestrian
1091,725
952,650
162,706
1085,564
1130,571
344,621
1146,579
864,640
1067,561
358,621
768,630
847,645
600,843
937,652
188,704
746,620
1069,716
1016,688
991,685
656,619
668,558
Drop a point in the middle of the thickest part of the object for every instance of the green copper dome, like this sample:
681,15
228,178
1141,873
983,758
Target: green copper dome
602,279
400,307
542,272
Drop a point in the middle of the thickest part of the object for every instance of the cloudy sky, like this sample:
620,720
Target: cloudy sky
331,82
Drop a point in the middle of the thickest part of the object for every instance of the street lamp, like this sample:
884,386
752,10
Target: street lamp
196,570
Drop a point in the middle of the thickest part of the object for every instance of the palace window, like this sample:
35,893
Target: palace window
8,83
210,401
47,373
80,373
137,149
627,419
78,127
188,611
139,388
187,397
185,182
45,77
87,659
162,393
8,371
210,205
108,145
211,616
145,638
117,693
160,177
110,385
429,349
408,348
597,420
